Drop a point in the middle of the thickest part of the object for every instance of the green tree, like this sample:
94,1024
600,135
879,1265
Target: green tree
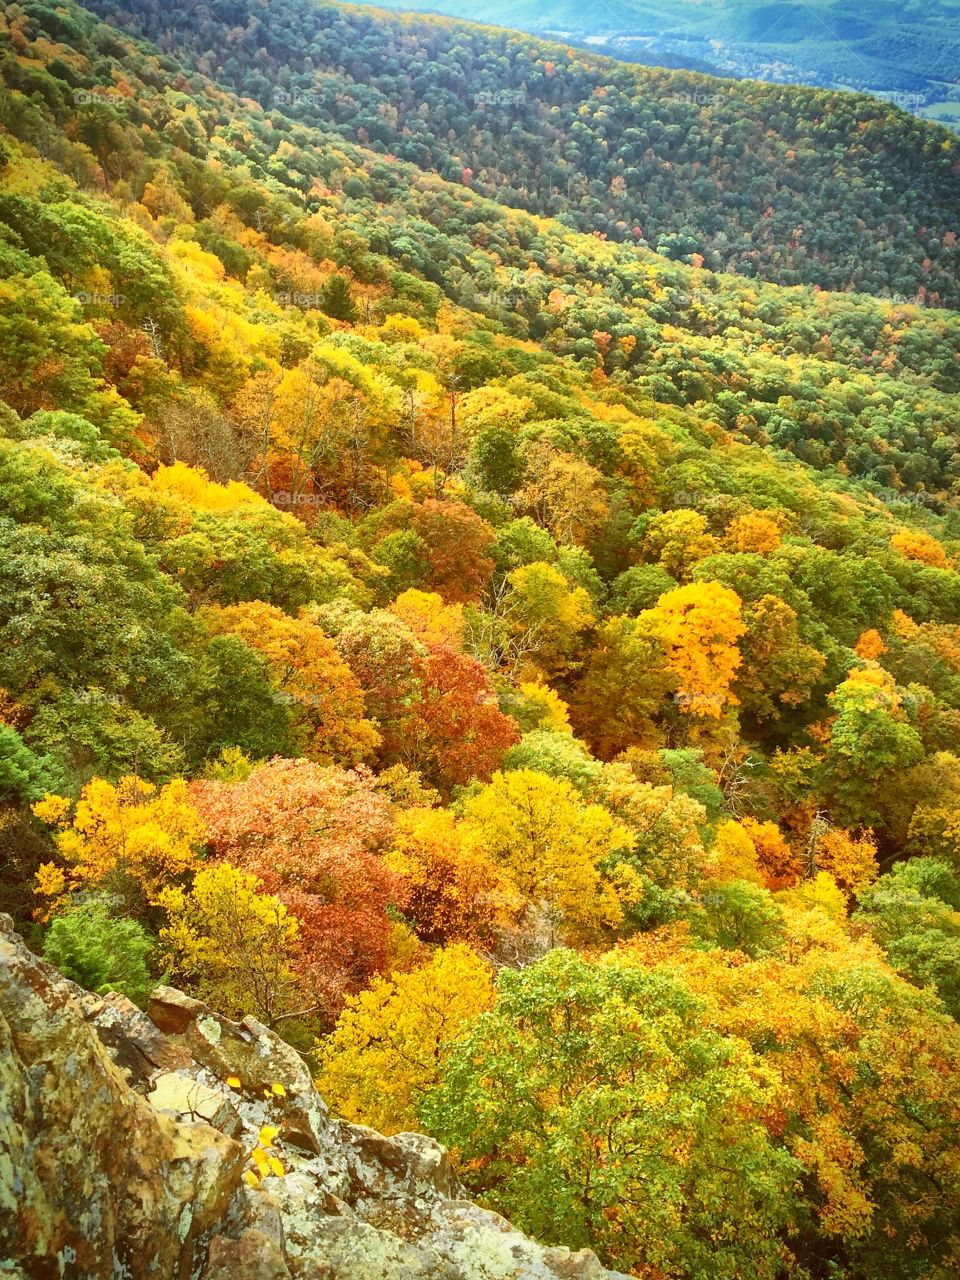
914,913
336,299
99,949
594,1108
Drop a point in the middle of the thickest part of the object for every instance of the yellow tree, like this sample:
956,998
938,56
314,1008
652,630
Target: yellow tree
391,1042
234,944
677,540
553,845
456,891
700,624
753,532
850,859
552,614
431,620
734,854
920,546
565,494
540,707
132,836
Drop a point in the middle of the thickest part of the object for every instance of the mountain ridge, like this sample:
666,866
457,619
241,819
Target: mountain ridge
796,186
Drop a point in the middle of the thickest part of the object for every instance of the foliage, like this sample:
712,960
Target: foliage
133,836
605,1113
551,844
393,1040
385,567
313,836
92,946
233,943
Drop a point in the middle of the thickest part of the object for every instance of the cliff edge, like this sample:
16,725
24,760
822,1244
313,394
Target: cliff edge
125,1137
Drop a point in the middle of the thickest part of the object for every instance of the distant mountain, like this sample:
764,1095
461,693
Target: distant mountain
907,49
782,183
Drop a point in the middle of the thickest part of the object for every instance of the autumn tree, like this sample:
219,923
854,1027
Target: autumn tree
620,695
870,741
453,730
700,625
554,612
552,844
677,540
595,1106
457,543
314,836
233,944
455,891
133,838
310,677
564,493
392,1042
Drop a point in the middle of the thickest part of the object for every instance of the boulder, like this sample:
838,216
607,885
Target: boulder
92,1178
124,1137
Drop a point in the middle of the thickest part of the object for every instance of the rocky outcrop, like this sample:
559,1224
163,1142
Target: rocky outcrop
124,1137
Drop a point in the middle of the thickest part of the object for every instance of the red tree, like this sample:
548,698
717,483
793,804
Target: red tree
458,542
314,835
454,731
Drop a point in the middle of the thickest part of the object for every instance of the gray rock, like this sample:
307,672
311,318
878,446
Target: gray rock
122,1148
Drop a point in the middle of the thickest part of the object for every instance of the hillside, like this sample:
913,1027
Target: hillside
792,185
374,1208
517,669
904,48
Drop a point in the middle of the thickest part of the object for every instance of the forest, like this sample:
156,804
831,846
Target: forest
515,659
773,182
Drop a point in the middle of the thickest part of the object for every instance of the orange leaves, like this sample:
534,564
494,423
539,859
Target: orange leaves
310,676
314,836
753,532
870,646
700,625
458,542
454,731
916,545
850,859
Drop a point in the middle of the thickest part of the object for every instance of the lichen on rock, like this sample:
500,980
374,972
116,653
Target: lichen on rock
124,1137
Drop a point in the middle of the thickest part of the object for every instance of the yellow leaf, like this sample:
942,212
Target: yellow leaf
279,1090
233,1082
259,1158
250,1178
276,1166
268,1133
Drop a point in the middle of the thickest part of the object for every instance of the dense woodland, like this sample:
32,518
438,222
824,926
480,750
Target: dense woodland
799,186
522,669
